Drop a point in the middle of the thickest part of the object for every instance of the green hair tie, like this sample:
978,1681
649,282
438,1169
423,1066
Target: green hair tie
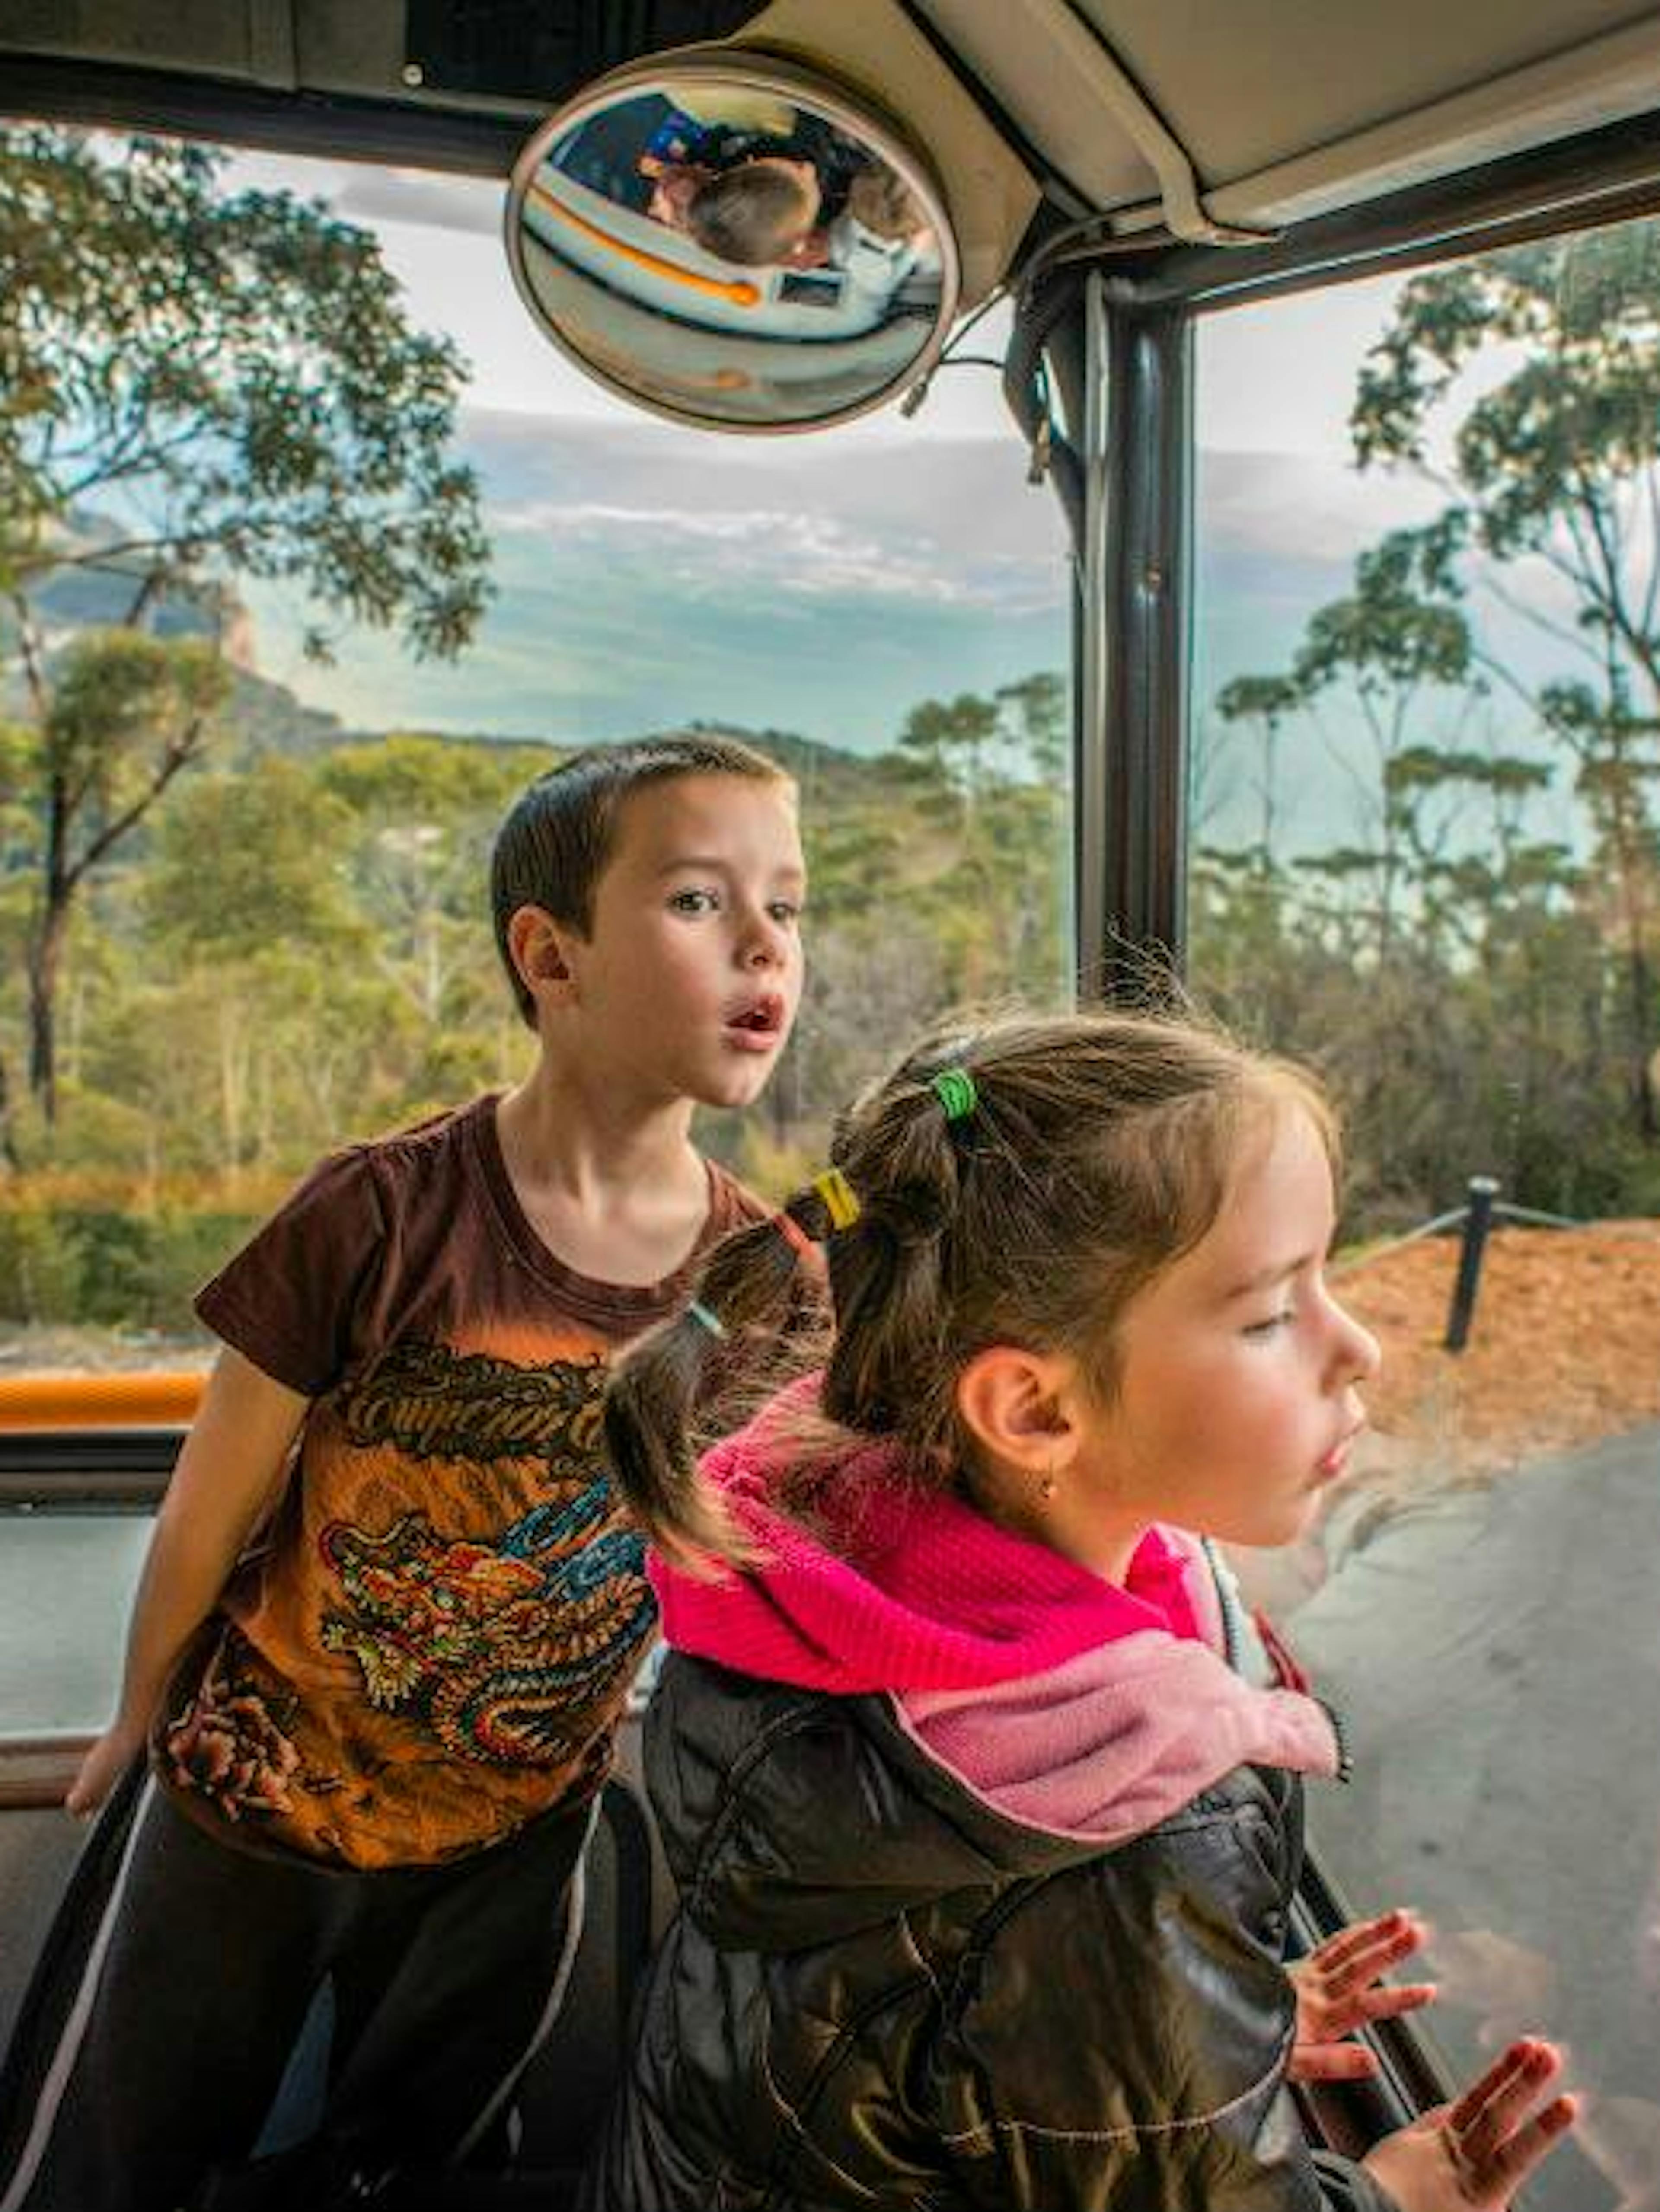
954,1087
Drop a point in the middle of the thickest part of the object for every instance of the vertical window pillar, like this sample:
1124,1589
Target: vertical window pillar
1131,765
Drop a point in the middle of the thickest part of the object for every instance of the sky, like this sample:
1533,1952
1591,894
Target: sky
647,575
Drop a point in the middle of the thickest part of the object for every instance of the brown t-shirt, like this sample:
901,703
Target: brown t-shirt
433,1643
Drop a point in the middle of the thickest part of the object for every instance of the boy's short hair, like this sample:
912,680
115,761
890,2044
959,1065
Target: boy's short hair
752,214
558,835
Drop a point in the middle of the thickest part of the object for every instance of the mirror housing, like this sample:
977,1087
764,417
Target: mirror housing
727,236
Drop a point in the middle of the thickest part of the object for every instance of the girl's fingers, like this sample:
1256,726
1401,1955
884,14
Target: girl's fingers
1482,2119
1516,2157
1389,2004
1376,1950
1337,1949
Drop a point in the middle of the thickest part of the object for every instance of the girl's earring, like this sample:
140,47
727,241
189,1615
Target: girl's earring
1046,1489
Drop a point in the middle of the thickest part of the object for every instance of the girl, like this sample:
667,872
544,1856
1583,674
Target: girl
985,1853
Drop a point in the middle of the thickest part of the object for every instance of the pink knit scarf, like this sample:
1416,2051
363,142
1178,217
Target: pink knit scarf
1068,1703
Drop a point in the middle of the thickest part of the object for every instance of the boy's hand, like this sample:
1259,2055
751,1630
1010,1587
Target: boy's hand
1337,1991
1471,2156
102,1768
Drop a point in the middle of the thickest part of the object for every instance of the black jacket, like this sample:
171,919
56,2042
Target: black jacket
879,1992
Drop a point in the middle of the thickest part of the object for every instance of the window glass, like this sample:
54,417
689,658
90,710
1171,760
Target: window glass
313,553
66,1584
316,552
1424,854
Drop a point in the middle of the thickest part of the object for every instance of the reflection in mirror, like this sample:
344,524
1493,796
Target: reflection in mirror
728,249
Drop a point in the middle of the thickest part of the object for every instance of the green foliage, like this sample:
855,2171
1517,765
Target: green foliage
196,386
1507,1007
242,861
114,1267
237,369
299,952
39,1267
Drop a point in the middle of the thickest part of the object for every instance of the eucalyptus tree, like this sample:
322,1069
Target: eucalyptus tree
1549,456
199,385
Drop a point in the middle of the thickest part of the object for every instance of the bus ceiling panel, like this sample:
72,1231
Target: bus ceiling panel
1613,80
1026,56
1248,84
519,49
1252,115
1209,121
253,43
256,42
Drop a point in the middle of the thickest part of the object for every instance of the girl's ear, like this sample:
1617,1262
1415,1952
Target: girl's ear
1017,1406
540,948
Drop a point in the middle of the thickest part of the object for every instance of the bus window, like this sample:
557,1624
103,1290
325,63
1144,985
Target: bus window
1423,852
272,937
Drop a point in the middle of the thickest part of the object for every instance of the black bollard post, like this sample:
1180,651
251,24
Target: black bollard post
1478,1219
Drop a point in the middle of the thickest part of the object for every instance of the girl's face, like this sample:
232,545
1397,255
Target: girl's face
1239,1373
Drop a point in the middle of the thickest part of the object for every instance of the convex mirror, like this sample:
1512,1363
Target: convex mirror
733,243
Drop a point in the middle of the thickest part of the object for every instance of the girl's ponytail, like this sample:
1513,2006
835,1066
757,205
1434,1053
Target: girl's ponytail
746,1323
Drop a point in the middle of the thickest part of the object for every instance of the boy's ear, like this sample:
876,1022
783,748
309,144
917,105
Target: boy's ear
1017,1406
540,950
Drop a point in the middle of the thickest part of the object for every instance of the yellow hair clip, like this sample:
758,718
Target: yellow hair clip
840,1200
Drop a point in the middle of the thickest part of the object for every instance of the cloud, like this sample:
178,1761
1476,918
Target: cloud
776,528
1314,505
783,553
375,196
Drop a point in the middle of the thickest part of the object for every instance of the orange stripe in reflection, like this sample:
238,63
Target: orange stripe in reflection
738,293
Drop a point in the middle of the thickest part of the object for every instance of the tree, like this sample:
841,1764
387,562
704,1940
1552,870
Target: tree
1263,702
1556,464
200,385
949,741
426,810
1464,926
1039,707
124,714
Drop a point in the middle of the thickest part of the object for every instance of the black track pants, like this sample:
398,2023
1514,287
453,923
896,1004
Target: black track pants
167,2021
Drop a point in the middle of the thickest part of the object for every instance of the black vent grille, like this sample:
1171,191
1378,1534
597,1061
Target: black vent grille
540,50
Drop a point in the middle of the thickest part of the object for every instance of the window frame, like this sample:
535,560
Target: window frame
1134,571
1136,318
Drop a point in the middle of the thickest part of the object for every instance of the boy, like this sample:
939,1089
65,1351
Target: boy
762,213
755,182
376,1741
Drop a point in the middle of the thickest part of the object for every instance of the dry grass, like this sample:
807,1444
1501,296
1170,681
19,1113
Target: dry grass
1565,1347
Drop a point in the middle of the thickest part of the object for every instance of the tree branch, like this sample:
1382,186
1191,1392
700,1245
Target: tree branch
29,645
178,755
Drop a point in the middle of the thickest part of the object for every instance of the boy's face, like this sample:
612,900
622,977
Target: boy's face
688,984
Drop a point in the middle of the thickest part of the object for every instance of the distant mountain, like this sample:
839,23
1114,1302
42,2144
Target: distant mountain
264,717
816,766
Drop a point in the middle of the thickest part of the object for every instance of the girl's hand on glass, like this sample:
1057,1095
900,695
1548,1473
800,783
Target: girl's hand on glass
1338,1990
1478,2152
